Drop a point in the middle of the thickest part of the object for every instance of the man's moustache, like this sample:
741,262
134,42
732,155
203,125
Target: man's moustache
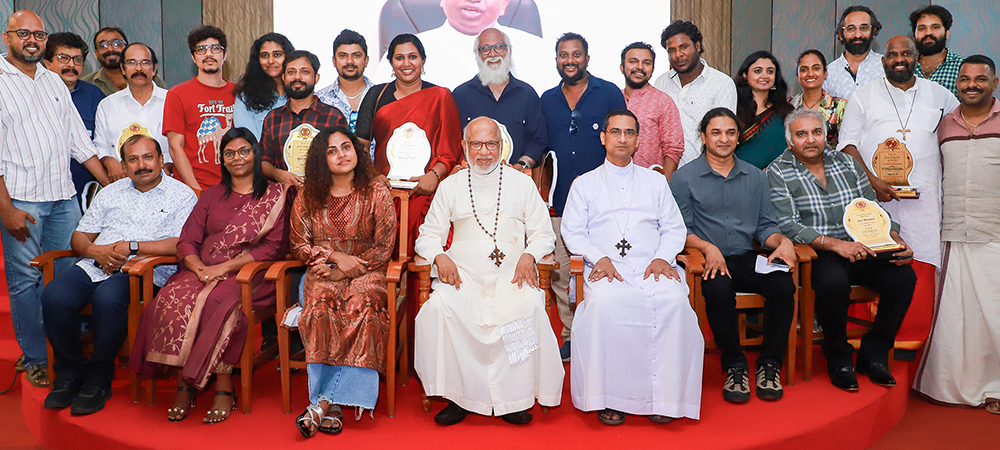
139,75
143,171
972,91
70,70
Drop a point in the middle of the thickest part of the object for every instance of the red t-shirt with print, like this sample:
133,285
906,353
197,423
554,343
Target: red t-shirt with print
203,114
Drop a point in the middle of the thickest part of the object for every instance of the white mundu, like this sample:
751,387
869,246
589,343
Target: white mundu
637,347
487,346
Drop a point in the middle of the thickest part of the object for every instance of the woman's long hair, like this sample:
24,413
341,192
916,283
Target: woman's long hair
256,88
746,106
259,182
318,178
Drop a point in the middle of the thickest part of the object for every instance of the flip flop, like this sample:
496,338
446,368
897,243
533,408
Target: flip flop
307,418
655,418
606,416
334,414
183,411
993,406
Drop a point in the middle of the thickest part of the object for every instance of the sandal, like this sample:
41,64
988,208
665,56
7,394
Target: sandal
334,415
176,414
224,412
656,418
607,417
993,406
19,364
308,418
38,375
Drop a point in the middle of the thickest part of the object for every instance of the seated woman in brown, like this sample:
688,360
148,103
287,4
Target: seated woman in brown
195,326
343,228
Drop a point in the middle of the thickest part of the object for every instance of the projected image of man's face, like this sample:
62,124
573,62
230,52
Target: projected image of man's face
473,16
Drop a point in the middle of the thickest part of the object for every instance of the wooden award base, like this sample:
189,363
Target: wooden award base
906,192
402,184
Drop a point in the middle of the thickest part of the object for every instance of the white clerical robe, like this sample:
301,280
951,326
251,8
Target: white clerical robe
451,59
487,346
871,118
637,347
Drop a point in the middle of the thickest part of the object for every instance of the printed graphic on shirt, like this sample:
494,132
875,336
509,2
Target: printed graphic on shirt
212,129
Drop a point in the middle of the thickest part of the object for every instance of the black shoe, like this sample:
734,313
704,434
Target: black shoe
564,352
451,414
63,393
878,373
517,418
844,378
769,382
90,400
737,387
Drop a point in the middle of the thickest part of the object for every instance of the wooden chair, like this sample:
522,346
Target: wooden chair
422,268
859,294
750,303
398,342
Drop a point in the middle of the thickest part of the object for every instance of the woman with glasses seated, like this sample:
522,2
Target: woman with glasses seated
195,326
343,228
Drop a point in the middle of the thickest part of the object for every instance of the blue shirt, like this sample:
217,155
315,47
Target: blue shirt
730,212
518,108
253,120
85,96
579,151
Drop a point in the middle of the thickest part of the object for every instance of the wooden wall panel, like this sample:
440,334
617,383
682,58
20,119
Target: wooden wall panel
714,20
78,16
141,20
243,23
894,15
179,17
976,27
799,26
751,30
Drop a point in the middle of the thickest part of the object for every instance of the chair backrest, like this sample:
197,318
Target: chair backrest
403,197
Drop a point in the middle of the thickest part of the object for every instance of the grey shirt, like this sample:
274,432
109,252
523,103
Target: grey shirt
730,212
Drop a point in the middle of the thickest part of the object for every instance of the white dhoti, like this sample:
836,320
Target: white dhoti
962,361
488,346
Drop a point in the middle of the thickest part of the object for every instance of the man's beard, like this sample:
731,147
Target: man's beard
573,79
300,93
857,48
357,74
111,60
30,59
898,76
478,170
933,48
633,85
488,75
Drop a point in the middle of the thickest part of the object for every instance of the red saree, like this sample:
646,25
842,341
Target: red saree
219,229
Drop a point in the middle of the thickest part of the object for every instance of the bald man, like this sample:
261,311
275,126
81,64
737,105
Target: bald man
885,119
40,130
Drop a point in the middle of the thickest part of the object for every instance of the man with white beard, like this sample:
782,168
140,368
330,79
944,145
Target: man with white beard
483,340
497,94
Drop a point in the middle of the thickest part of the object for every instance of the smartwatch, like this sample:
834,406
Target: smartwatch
133,248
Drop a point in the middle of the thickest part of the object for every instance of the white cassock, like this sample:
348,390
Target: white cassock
451,60
871,118
488,347
637,347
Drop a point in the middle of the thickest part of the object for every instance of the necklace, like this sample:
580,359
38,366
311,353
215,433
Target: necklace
622,245
355,95
902,124
972,126
814,104
497,256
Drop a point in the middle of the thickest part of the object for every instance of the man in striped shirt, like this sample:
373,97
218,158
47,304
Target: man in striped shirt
40,130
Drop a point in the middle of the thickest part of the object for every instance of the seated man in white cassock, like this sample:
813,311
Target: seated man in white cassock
637,347
483,339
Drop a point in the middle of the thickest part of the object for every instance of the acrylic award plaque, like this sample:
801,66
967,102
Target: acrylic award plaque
867,223
408,152
297,147
132,129
506,143
892,162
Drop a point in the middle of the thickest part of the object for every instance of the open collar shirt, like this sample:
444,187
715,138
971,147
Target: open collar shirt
118,111
711,89
840,82
40,129
279,124
660,133
86,97
333,96
101,80
946,73
519,109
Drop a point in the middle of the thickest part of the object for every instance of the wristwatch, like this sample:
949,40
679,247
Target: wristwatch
523,164
133,248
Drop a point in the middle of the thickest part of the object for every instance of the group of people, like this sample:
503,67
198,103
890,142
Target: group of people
269,166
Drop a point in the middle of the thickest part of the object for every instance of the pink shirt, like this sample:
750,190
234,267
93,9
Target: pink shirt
660,132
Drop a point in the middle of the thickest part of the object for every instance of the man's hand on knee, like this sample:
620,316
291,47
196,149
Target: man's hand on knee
604,268
660,267
448,271
525,272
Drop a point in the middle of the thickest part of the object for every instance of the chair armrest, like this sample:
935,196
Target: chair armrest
279,268
576,265
251,269
419,264
46,262
143,265
695,260
804,253
548,262
394,272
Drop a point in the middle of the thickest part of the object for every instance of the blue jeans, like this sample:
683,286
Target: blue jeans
62,301
342,385
56,222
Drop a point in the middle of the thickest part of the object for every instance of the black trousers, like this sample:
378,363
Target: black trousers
832,277
778,290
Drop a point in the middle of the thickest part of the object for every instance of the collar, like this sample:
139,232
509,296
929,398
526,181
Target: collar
704,168
914,88
956,114
619,171
7,68
641,91
315,106
871,54
512,84
158,92
159,186
335,87
673,74
590,83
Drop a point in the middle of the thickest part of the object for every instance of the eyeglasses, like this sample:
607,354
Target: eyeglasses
244,152
114,43
64,59
499,48
215,48
617,133
573,129
478,145
273,55
864,28
24,33
131,63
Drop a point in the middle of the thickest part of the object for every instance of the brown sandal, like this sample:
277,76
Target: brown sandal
38,375
993,406
607,416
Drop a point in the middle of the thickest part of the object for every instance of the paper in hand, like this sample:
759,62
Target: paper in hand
762,266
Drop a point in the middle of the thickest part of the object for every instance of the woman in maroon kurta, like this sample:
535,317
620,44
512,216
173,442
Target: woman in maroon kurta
195,324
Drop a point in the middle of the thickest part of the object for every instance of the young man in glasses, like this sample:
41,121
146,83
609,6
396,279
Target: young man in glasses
109,47
198,112
135,110
574,111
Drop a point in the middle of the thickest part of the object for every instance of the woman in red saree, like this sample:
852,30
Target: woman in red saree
195,325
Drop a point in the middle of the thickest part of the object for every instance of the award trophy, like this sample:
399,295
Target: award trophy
297,147
893,163
506,143
408,152
867,223
132,129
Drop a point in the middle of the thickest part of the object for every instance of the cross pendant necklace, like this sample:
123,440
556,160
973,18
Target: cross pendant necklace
622,245
497,256
902,130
